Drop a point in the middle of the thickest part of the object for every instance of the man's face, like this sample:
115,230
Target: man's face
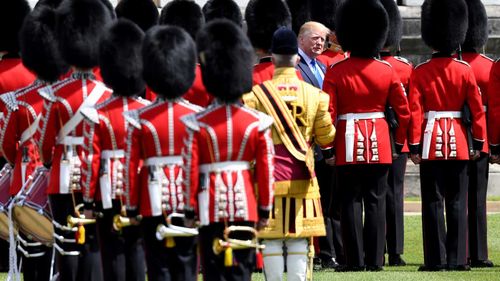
313,42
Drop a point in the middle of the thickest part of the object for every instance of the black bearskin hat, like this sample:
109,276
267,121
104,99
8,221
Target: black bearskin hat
144,13
323,11
226,57
395,23
38,42
184,13
120,58
477,32
228,9
444,24
263,18
366,37
12,14
169,56
50,3
79,26
301,13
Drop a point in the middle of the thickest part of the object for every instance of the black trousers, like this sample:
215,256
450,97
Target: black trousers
444,181
35,268
363,186
122,253
395,206
213,265
87,265
4,256
330,245
478,185
165,264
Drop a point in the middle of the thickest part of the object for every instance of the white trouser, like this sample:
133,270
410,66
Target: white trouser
296,261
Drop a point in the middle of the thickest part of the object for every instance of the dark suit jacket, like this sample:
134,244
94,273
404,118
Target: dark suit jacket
306,72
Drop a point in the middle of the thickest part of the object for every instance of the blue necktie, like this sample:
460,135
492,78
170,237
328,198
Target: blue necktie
317,73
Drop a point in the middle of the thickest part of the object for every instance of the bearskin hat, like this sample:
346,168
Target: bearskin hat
444,24
323,11
120,58
169,56
263,18
12,14
395,23
50,3
226,57
363,38
477,32
301,13
184,13
143,12
79,27
38,42
227,9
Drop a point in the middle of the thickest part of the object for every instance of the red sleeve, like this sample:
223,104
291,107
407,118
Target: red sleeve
264,170
47,130
399,102
329,87
476,107
191,164
494,106
132,161
9,136
416,110
91,163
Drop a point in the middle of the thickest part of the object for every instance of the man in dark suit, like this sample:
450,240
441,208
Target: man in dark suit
311,40
312,36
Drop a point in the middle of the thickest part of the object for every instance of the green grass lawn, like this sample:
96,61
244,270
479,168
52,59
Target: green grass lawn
414,258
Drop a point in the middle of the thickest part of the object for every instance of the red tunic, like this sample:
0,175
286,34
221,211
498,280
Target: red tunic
197,94
481,66
105,134
330,57
403,68
494,108
444,84
221,143
58,108
13,75
20,111
365,85
156,137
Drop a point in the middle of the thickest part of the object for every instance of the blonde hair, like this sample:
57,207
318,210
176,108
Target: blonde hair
309,26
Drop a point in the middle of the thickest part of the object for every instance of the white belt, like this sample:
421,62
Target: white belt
349,129
164,160
71,141
112,154
431,117
225,166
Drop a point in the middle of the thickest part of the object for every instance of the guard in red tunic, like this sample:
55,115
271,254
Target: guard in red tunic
105,133
188,15
60,130
477,35
395,192
440,139
494,113
263,18
228,153
360,88
40,54
155,138
13,74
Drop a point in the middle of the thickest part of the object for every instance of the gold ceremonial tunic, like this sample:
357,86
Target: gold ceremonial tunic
297,207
